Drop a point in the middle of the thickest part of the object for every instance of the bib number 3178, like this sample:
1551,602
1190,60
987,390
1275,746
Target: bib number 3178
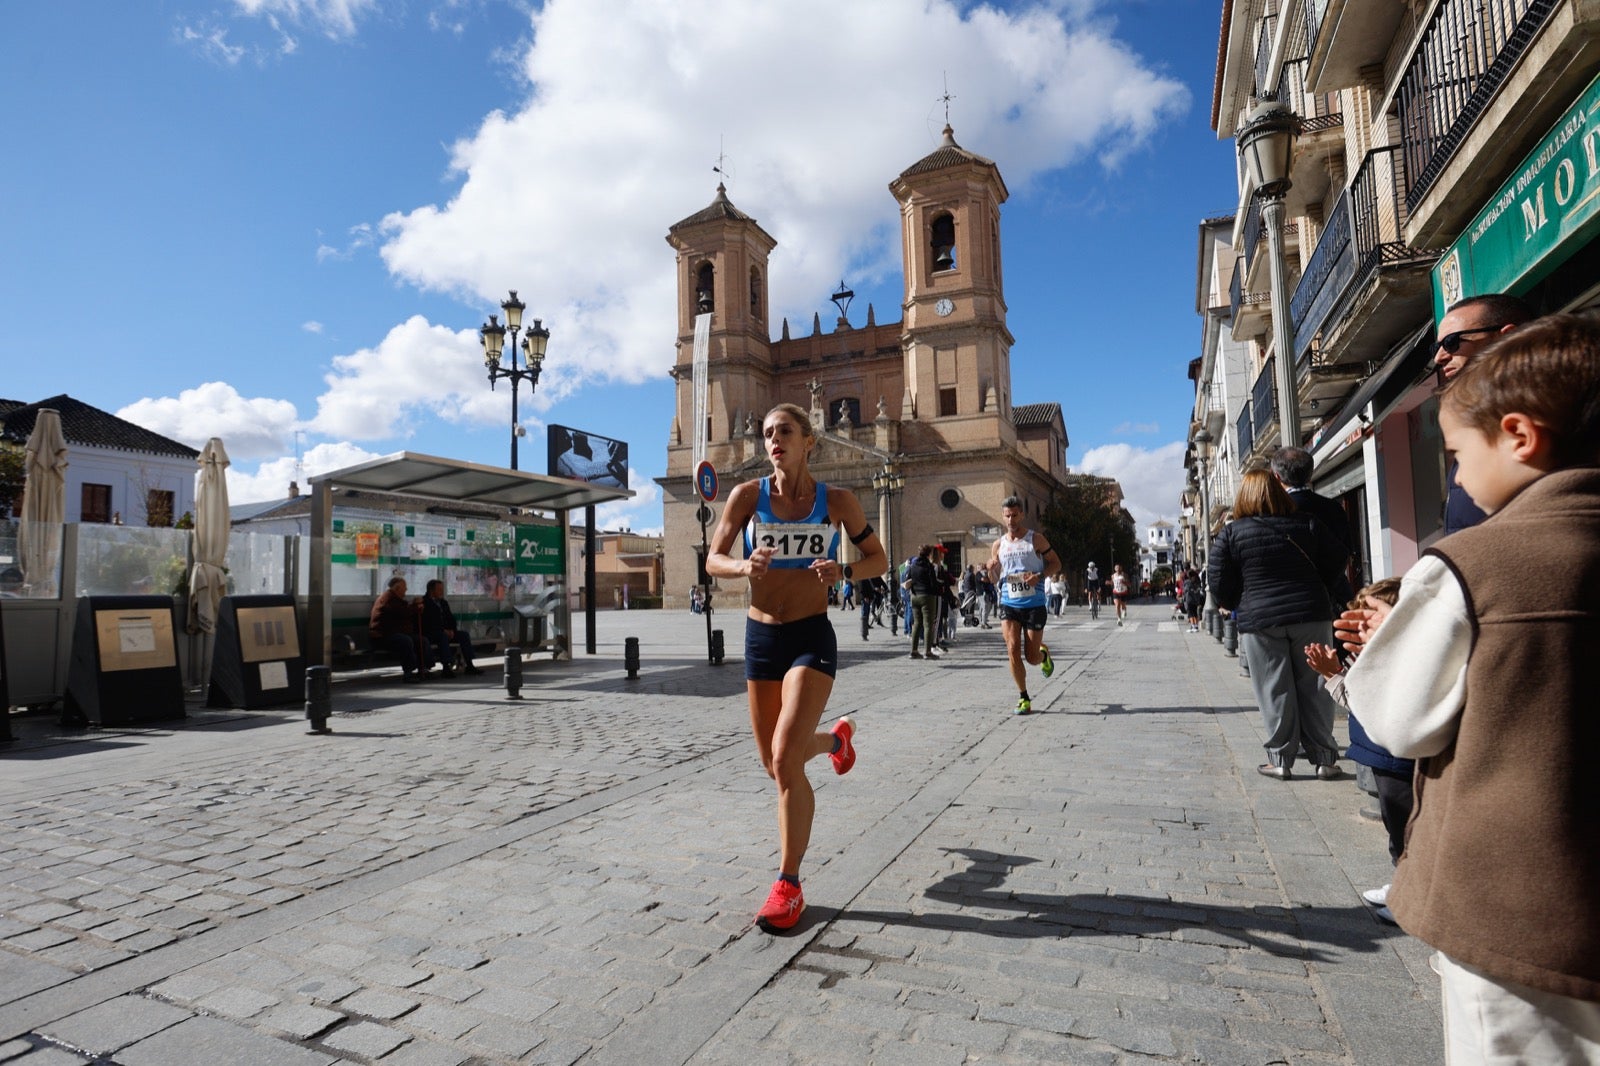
793,542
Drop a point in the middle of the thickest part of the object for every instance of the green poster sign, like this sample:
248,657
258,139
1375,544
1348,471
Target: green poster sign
539,550
388,529
1546,210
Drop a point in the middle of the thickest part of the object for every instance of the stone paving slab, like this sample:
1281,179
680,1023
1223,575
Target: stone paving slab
453,878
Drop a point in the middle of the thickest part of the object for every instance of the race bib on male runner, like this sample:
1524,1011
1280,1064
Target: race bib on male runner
1018,585
795,543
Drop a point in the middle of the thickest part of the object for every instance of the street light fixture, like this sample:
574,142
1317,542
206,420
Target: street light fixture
1201,439
1266,142
534,343
888,482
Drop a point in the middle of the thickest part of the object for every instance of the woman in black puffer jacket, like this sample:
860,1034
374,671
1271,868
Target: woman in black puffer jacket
1272,567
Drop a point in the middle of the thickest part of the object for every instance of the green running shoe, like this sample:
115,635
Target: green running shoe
1024,706
1047,665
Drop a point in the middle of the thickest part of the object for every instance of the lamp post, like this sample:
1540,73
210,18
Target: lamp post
1265,143
888,483
493,335
1201,439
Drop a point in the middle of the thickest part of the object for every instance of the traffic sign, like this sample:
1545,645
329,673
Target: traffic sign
705,479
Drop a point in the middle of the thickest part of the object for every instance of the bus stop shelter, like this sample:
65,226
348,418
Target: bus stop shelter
447,481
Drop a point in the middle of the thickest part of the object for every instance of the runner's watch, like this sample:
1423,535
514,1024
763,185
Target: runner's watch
848,573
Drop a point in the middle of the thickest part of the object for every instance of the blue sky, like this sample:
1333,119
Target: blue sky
281,221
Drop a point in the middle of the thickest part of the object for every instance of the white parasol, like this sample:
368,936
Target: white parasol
44,505
211,528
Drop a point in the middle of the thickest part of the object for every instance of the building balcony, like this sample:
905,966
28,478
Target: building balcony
1252,311
1319,142
1321,384
1263,405
1343,36
1244,428
1363,285
1466,52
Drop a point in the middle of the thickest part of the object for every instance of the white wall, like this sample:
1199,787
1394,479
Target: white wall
129,474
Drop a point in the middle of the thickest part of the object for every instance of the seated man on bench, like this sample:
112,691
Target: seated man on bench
393,627
441,634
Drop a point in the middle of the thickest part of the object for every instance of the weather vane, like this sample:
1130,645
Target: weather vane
946,98
722,162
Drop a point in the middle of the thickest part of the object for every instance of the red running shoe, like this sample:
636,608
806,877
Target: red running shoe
845,757
783,907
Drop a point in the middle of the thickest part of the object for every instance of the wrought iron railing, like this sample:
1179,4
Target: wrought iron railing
1236,289
1365,231
1264,35
1466,51
1246,432
1252,232
1317,111
1315,11
1263,400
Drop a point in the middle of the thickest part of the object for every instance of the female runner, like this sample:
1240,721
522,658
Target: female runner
790,654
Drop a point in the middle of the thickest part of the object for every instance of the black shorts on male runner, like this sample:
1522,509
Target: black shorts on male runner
1026,617
772,650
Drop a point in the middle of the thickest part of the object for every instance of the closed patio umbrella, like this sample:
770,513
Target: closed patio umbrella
211,527
44,504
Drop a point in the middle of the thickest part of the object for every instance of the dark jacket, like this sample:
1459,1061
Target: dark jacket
1459,510
1368,752
1275,570
1336,522
437,617
923,579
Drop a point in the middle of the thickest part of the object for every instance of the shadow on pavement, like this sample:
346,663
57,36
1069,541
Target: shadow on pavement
1273,929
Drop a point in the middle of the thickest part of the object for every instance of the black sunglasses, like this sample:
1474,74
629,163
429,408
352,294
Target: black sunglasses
1450,342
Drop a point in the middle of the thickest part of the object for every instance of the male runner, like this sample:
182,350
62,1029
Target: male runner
1018,564
1120,587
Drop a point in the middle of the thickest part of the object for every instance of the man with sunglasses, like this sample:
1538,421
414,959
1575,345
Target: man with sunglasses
1469,326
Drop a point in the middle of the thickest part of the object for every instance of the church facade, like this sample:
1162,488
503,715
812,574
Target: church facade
923,405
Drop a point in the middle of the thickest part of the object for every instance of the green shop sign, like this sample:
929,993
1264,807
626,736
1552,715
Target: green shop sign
1546,210
539,550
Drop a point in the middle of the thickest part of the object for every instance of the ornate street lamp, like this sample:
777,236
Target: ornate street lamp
888,483
1266,142
1201,439
493,335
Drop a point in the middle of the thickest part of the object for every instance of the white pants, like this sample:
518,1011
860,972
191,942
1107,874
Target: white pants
1505,1024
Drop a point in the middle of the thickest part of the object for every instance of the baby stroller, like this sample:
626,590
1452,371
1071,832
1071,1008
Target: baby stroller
968,608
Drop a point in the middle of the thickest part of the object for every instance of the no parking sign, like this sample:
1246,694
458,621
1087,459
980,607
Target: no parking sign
705,480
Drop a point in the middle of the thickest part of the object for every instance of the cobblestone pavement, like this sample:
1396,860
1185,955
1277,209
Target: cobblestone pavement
453,878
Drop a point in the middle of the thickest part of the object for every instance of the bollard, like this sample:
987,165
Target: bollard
319,699
1211,619
716,647
1221,626
1230,636
630,656
513,673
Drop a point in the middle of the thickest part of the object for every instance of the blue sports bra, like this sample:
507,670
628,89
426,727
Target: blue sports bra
795,545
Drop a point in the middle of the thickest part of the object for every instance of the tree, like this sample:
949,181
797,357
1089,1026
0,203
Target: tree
13,471
1085,522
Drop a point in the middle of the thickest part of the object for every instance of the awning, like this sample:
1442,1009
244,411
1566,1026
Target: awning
453,479
1402,369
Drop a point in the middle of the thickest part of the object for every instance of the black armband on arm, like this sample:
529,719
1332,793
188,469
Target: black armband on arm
866,531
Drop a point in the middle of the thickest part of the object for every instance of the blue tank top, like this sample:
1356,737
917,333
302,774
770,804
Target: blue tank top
795,544
1018,557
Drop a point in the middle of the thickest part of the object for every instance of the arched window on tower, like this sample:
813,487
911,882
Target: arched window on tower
755,293
705,293
944,242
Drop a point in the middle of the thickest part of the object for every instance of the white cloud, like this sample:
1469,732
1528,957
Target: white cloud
249,427
312,326
271,479
642,514
1151,478
418,370
568,195
336,18
1127,428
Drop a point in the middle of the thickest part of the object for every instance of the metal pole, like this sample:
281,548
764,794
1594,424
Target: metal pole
1282,328
515,381
705,554
588,577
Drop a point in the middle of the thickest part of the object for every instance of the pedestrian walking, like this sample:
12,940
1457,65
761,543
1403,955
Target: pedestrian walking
1272,567
922,587
790,522
1019,561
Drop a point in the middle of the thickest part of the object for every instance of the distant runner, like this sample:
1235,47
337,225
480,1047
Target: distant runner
1120,587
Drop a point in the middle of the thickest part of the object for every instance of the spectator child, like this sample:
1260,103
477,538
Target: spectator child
1486,673
1391,773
